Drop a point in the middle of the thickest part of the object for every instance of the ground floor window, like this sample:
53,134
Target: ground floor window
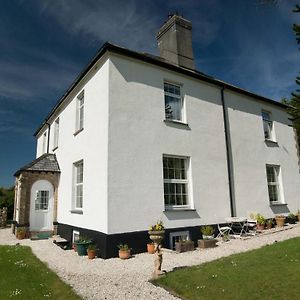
177,237
75,236
273,179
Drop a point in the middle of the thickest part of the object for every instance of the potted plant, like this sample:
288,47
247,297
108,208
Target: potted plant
91,251
208,240
21,233
207,232
184,245
156,232
280,220
261,221
291,218
82,244
151,248
124,251
269,223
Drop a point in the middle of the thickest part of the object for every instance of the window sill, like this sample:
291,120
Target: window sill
55,148
277,204
174,122
167,209
76,211
78,131
271,142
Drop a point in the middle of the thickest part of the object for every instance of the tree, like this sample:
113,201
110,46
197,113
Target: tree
294,101
7,196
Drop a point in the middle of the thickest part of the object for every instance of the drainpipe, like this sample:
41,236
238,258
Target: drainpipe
48,139
229,155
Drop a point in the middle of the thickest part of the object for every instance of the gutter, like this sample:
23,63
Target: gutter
229,155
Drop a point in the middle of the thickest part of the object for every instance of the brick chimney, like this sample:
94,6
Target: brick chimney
175,41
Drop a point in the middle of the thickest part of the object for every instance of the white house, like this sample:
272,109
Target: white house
139,138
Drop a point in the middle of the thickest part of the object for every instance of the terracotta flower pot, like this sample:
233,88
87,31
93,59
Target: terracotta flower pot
124,254
74,247
91,254
280,221
151,248
260,226
21,235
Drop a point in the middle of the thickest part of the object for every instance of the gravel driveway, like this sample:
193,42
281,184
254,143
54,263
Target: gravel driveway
128,279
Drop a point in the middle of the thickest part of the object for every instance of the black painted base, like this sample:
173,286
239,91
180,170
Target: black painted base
107,244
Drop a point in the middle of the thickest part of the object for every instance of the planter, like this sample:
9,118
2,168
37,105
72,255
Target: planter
269,225
156,236
184,246
21,235
291,220
260,227
207,243
82,248
124,254
151,248
74,246
91,254
280,221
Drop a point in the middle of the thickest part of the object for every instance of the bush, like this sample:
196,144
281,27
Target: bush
7,197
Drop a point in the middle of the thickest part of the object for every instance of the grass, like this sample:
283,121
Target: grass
24,276
271,272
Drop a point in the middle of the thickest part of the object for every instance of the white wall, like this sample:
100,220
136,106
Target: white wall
251,154
89,145
138,137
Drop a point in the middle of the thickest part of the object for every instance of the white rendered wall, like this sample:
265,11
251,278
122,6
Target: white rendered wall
90,145
251,154
138,137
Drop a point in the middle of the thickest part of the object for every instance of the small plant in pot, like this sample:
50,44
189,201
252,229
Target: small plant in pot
269,223
184,246
124,251
261,221
21,233
291,218
82,244
91,251
280,220
208,240
207,232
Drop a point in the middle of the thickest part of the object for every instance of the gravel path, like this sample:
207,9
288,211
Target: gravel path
128,279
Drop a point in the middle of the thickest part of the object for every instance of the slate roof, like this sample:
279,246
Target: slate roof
159,61
45,163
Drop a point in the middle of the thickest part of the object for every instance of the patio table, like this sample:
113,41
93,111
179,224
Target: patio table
237,223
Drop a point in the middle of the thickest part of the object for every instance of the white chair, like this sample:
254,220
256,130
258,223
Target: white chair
251,226
223,231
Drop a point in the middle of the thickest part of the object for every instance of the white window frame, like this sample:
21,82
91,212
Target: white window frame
56,133
186,181
44,142
80,112
180,235
180,98
38,200
77,184
277,183
75,236
268,121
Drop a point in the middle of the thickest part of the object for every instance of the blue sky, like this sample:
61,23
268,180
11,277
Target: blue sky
44,44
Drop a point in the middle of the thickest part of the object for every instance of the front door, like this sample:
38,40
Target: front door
41,206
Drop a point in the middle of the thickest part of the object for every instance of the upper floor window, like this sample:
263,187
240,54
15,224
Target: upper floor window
56,133
78,184
80,111
45,142
268,126
173,102
273,179
175,169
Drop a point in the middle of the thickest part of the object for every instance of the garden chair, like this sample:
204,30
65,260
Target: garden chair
223,231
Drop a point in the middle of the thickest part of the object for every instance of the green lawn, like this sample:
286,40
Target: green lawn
24,276
271,272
